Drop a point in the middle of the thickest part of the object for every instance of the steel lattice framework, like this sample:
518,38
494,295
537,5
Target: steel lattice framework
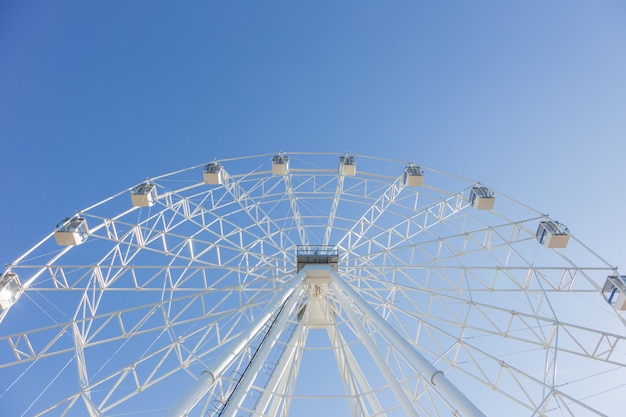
194,303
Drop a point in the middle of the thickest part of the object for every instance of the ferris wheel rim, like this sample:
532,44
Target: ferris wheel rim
289,232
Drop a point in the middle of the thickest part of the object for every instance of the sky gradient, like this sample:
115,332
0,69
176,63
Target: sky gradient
526,97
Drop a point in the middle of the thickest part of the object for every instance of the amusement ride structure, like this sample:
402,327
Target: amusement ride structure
295,284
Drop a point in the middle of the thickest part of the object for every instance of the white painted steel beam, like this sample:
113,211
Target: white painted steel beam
433,375
366,339
260,358
275,386
281,402
208,377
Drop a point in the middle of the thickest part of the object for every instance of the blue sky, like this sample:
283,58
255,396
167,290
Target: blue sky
527,97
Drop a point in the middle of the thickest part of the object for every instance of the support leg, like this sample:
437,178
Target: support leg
237,345
260,358
280,374
364,336
434,376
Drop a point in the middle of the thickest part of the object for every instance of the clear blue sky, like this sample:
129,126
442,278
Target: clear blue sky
527,97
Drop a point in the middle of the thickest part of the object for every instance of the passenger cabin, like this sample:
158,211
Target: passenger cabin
552,234
71,231
347,165
144,195
280,164
213,174
614,291
10,290
482,198
413,176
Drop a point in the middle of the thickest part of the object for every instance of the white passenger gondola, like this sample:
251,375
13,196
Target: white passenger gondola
614,291
552,234
347,165
280,164
71,231
10,290
213,173
144,195
413,176
482,198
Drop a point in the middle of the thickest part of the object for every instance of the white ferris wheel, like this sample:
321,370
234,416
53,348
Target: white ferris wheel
295,284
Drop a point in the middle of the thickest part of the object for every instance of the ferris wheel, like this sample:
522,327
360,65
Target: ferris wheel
295,284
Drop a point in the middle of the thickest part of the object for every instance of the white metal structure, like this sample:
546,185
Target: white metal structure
414,303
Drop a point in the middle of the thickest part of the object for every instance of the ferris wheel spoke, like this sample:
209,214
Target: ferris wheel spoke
218,243
511,272
333,209
390,235
218,213
371,215
253,208
445,247
295,209
119,324
145,278
493,320
190,262
450,279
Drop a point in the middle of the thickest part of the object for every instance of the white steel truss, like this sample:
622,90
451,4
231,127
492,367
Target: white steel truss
195,305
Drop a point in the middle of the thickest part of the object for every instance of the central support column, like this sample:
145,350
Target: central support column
236,346
436,377
276,389
366,339
260,358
